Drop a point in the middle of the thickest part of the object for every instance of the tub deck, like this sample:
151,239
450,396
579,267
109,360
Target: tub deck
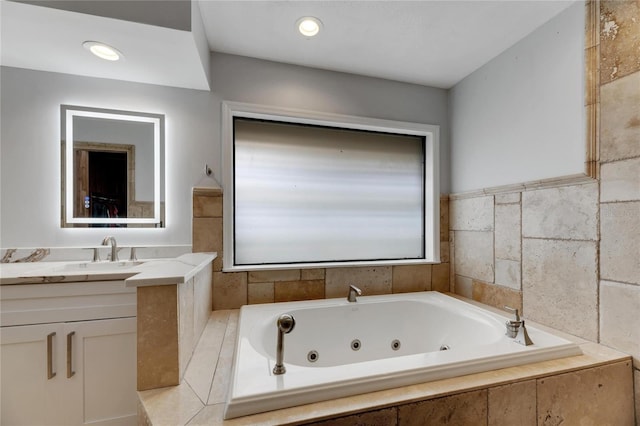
200,398
421,322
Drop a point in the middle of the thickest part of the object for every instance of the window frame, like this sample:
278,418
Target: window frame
431,196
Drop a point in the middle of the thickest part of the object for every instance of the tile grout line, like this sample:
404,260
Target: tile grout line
620,202
625,283
521,237
618,160
200,410
598,257
494,242
218,359
577,240
475,230
536,385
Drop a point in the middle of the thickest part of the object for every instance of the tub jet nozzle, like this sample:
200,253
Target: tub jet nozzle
285,325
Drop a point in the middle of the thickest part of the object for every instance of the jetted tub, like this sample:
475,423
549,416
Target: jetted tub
339,348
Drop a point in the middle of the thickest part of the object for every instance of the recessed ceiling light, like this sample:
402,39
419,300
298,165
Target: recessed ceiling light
309,26
102,50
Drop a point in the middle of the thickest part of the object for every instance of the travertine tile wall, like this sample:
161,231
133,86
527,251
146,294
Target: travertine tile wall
231,290
570,256
554,400
157,347
170,320
620,180
559,258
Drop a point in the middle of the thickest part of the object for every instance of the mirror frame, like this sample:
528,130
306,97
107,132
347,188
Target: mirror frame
67,115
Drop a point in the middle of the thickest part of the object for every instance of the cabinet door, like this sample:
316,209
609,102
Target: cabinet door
31,372
103,358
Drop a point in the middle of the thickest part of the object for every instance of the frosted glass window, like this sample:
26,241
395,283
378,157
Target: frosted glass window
313,194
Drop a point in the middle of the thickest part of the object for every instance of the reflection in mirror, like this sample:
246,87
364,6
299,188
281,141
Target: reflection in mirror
112,168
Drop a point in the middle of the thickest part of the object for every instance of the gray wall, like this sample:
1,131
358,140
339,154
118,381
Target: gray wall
30,132
174,14
30,154
241,79
520,117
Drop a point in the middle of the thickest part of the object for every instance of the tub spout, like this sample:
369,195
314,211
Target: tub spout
285,324
353,292
523,337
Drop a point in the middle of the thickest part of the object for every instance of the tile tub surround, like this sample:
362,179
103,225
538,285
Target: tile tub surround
560,285
595,386
619,187
594,228
231,290
171,316
569,247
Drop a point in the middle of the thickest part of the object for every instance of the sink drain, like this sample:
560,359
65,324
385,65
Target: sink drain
445,347
312,356
356,345
395,345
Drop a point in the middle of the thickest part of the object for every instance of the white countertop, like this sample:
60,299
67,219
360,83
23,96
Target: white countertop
144,272
170,271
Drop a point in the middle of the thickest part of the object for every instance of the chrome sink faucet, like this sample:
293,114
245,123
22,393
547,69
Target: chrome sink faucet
353,292
114,247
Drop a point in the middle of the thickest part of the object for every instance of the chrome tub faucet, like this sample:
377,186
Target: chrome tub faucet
114,247
517,330
353,292
513,325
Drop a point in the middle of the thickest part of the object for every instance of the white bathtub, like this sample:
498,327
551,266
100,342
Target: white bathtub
422,323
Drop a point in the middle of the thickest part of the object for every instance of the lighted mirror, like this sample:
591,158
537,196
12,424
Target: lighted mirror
112,168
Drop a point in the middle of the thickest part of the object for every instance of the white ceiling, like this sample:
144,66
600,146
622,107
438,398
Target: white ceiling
49,39
434,43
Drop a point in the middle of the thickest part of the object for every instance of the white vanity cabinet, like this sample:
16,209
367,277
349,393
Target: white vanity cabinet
68,354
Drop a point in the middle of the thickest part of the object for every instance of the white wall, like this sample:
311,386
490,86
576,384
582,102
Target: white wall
520,117
30,134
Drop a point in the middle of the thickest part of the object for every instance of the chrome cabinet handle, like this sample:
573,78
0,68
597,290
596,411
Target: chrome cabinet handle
50,373
70,372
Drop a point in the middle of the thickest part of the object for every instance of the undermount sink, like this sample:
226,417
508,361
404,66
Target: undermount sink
98,266
50,272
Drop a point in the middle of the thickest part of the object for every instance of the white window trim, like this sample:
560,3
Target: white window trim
431,133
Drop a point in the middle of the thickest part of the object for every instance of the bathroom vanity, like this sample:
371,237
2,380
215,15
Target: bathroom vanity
68,353
69,338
